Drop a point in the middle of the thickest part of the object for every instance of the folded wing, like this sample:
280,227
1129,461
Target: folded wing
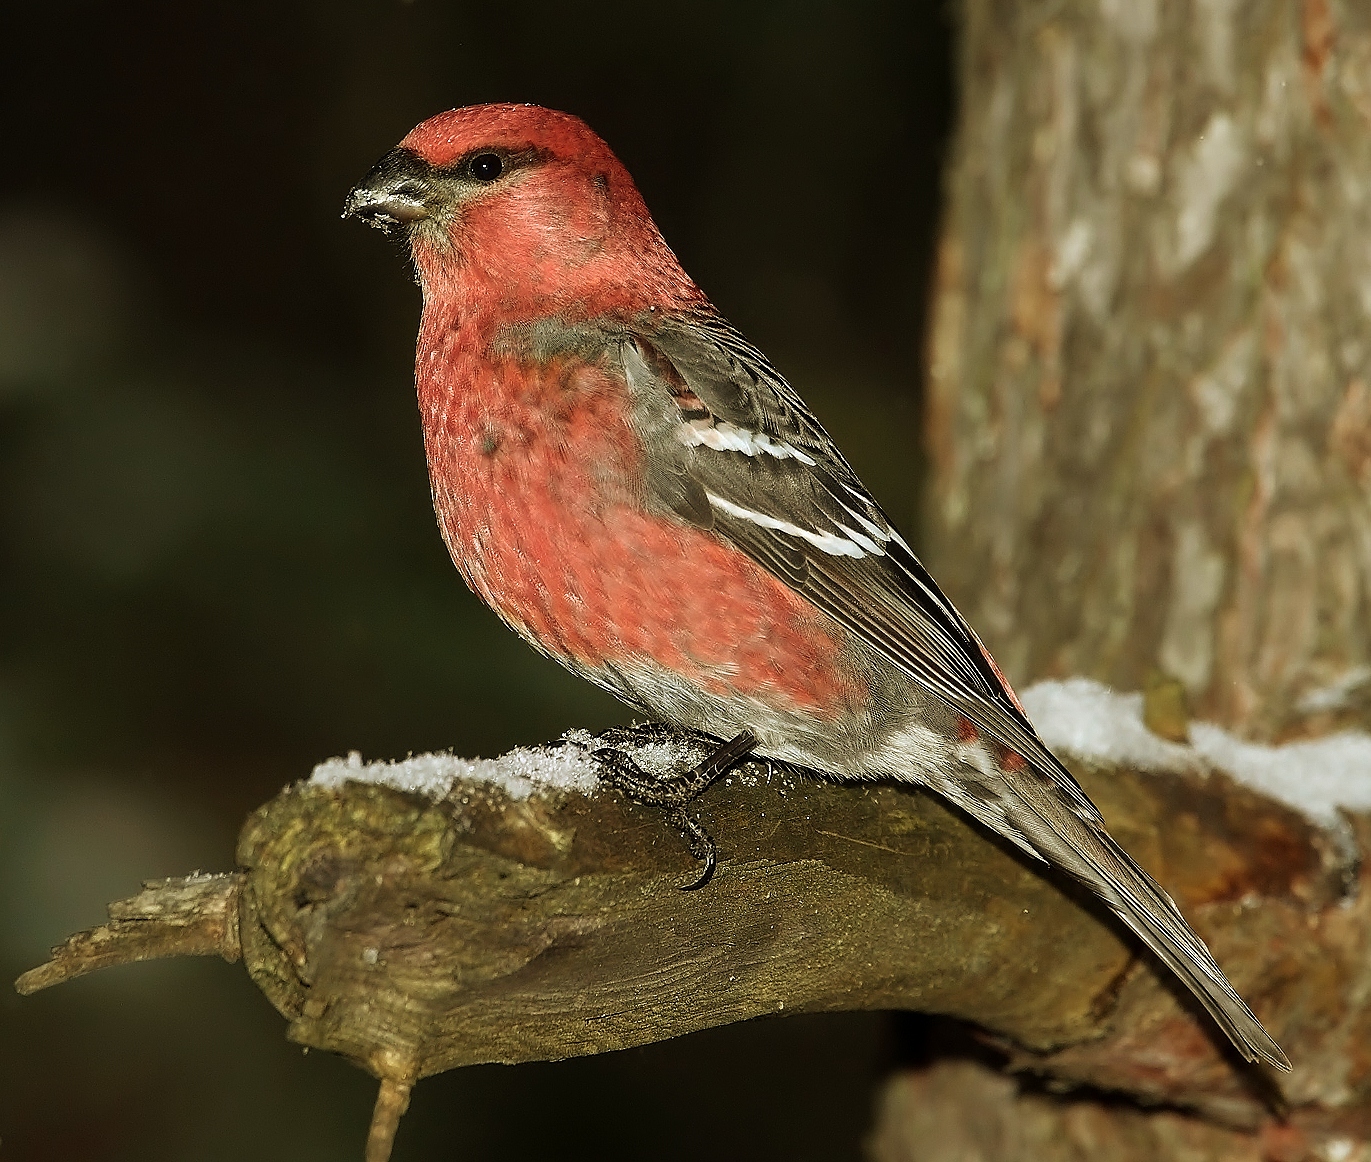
736,450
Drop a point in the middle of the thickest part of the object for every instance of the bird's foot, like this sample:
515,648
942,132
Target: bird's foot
673,793
620,748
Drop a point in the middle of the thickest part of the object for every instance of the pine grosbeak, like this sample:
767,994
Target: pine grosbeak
630,485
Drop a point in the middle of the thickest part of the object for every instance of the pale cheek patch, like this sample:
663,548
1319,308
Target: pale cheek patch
834,546
725,437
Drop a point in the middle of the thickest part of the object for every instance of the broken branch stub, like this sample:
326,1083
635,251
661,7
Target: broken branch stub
194,915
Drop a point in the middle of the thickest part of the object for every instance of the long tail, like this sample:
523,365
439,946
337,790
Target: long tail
1029,809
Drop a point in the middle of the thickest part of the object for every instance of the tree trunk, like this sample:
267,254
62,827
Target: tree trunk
1150,428
1149,412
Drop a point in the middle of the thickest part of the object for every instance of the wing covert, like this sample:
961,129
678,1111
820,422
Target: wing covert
732,439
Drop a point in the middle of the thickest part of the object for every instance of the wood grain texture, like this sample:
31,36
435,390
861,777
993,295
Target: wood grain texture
415,936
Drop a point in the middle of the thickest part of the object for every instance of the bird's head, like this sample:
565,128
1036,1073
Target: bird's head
521,206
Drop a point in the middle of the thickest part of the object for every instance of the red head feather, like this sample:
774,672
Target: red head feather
566,232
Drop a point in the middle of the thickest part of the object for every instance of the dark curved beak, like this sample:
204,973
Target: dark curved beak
394,194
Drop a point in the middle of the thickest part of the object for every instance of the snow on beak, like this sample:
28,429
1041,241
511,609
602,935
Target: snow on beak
393,195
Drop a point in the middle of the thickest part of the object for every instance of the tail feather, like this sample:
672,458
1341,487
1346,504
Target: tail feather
1027,810
1151,913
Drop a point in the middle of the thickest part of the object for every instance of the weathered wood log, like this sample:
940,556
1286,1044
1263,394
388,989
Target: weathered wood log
414,934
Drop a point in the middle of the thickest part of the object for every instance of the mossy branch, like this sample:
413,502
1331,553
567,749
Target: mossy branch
414,935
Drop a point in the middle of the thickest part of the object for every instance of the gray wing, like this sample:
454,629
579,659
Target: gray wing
736,449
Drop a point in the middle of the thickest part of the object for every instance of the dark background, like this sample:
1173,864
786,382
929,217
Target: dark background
218,563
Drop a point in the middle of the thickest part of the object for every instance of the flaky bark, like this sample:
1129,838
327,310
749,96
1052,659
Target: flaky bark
1149,412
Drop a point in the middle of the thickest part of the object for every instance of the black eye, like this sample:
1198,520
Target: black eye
486,167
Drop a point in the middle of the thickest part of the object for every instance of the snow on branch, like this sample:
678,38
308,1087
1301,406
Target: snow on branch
1319,779
420,915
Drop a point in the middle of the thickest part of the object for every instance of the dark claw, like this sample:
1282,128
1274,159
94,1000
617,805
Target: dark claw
705,876
702,846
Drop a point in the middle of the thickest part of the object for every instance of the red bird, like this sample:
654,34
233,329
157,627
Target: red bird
630,485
